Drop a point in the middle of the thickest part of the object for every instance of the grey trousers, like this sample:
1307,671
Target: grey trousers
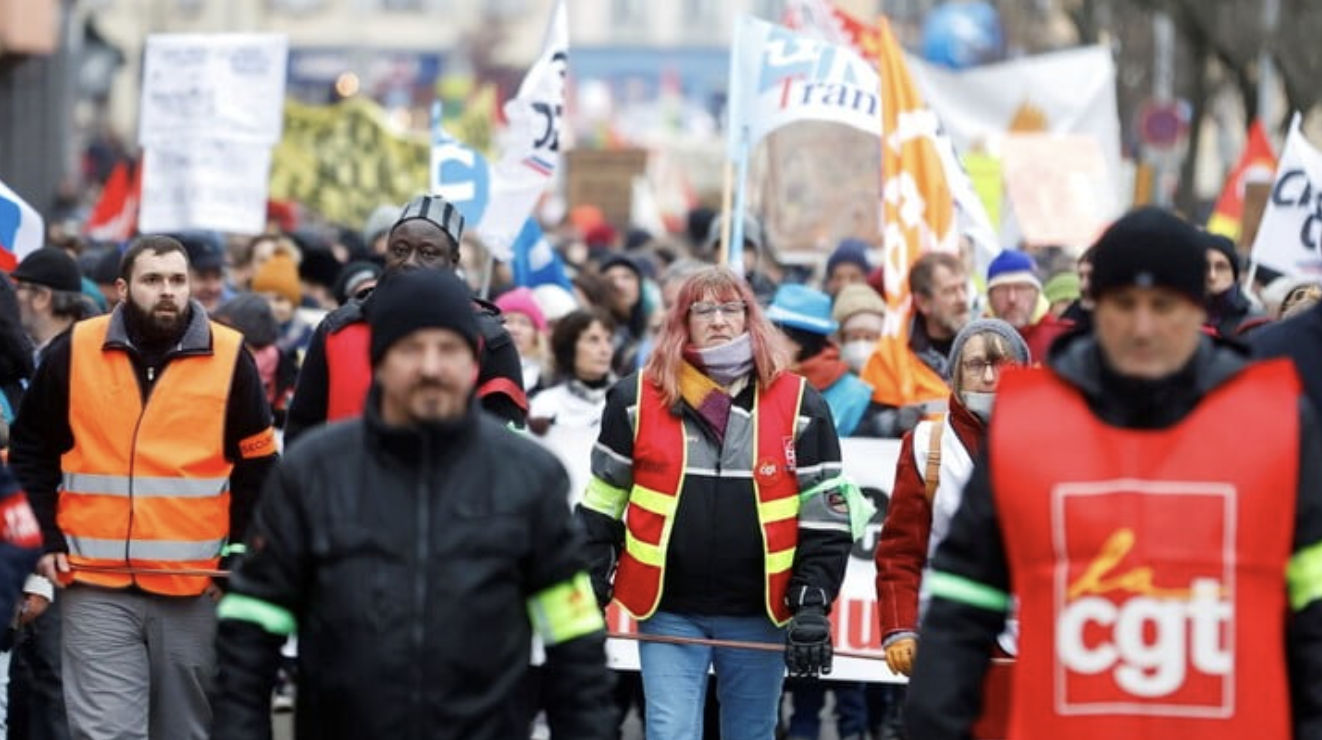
137,666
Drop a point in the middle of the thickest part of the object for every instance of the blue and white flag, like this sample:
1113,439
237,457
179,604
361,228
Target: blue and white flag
22,229
535,261
779,77
503,193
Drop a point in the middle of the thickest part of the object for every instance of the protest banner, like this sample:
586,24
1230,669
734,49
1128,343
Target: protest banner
344,160
856,627
222,86
1289,238
210,113
1058,188
204,184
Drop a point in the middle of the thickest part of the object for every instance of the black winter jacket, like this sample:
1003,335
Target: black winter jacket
945,692
499,359
407,557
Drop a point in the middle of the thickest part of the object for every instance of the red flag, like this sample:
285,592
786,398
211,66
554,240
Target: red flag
115,216
1256,164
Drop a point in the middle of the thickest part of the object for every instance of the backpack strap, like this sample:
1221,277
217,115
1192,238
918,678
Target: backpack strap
932,475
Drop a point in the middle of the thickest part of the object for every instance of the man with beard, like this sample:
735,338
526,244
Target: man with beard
939,284
413,560
335,376
142,443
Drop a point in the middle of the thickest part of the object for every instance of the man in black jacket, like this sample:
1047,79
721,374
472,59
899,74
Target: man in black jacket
414,560
332,382
1154,501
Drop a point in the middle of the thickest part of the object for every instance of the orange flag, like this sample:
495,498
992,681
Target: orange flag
918,215
1256,164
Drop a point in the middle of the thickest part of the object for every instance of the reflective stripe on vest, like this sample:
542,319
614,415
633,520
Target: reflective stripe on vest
1150,565
660,459
146,485
349,371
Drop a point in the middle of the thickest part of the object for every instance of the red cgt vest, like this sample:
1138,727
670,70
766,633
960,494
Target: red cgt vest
1150,564
659,460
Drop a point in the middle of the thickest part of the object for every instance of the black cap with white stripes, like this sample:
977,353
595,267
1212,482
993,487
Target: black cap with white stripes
437,210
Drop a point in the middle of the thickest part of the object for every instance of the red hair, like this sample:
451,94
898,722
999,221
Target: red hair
771,355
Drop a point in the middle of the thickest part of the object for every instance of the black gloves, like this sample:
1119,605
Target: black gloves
808,642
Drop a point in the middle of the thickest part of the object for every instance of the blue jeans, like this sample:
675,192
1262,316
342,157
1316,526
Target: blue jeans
675,677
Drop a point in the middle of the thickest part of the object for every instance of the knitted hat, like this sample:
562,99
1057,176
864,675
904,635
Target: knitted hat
438,211
752,232
801,307
1012,267
520,300
1225,246
206,250
279,275
353,276
50,267
856,298
1063,286
1149,247
251,315
409,300
555,302
995,326
849,251
319,266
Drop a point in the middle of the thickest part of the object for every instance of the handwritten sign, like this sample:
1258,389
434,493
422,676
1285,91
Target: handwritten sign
227,86
205,184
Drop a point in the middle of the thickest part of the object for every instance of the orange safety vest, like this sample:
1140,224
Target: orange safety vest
660,458
146,485
349,370
1150,564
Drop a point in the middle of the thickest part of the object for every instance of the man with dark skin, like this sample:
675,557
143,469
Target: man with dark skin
335,375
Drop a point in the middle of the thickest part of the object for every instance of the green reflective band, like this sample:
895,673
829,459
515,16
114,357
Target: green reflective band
517,428
268,616
957,588
233,548
860,508
565,611
1303,576
604,498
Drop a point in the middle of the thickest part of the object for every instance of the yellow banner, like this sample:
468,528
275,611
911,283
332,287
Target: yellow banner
344,160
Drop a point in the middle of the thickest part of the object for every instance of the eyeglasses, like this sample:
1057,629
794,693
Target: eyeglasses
979,366
707,310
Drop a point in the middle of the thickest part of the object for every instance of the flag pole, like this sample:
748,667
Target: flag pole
727,192
735,224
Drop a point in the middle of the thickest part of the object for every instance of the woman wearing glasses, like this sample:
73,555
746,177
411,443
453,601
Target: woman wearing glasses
718,505
936,459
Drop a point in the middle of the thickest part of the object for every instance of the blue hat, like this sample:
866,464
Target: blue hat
1012,267
849,251
801,307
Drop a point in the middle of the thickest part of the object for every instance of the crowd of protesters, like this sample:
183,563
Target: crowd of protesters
580,349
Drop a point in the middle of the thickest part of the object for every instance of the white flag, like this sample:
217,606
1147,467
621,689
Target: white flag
530,146
1289,238
779,77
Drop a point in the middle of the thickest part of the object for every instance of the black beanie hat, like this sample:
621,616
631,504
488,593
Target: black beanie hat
408,300
1151,248
1225,246
50,267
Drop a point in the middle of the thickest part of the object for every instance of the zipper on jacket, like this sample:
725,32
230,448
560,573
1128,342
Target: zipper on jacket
422,553
133,459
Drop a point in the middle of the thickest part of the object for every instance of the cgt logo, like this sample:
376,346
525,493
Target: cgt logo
1144,615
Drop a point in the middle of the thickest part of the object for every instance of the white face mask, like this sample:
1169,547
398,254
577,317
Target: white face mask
979,403
856,354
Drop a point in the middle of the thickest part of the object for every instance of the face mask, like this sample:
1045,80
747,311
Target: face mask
856,354
979,403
